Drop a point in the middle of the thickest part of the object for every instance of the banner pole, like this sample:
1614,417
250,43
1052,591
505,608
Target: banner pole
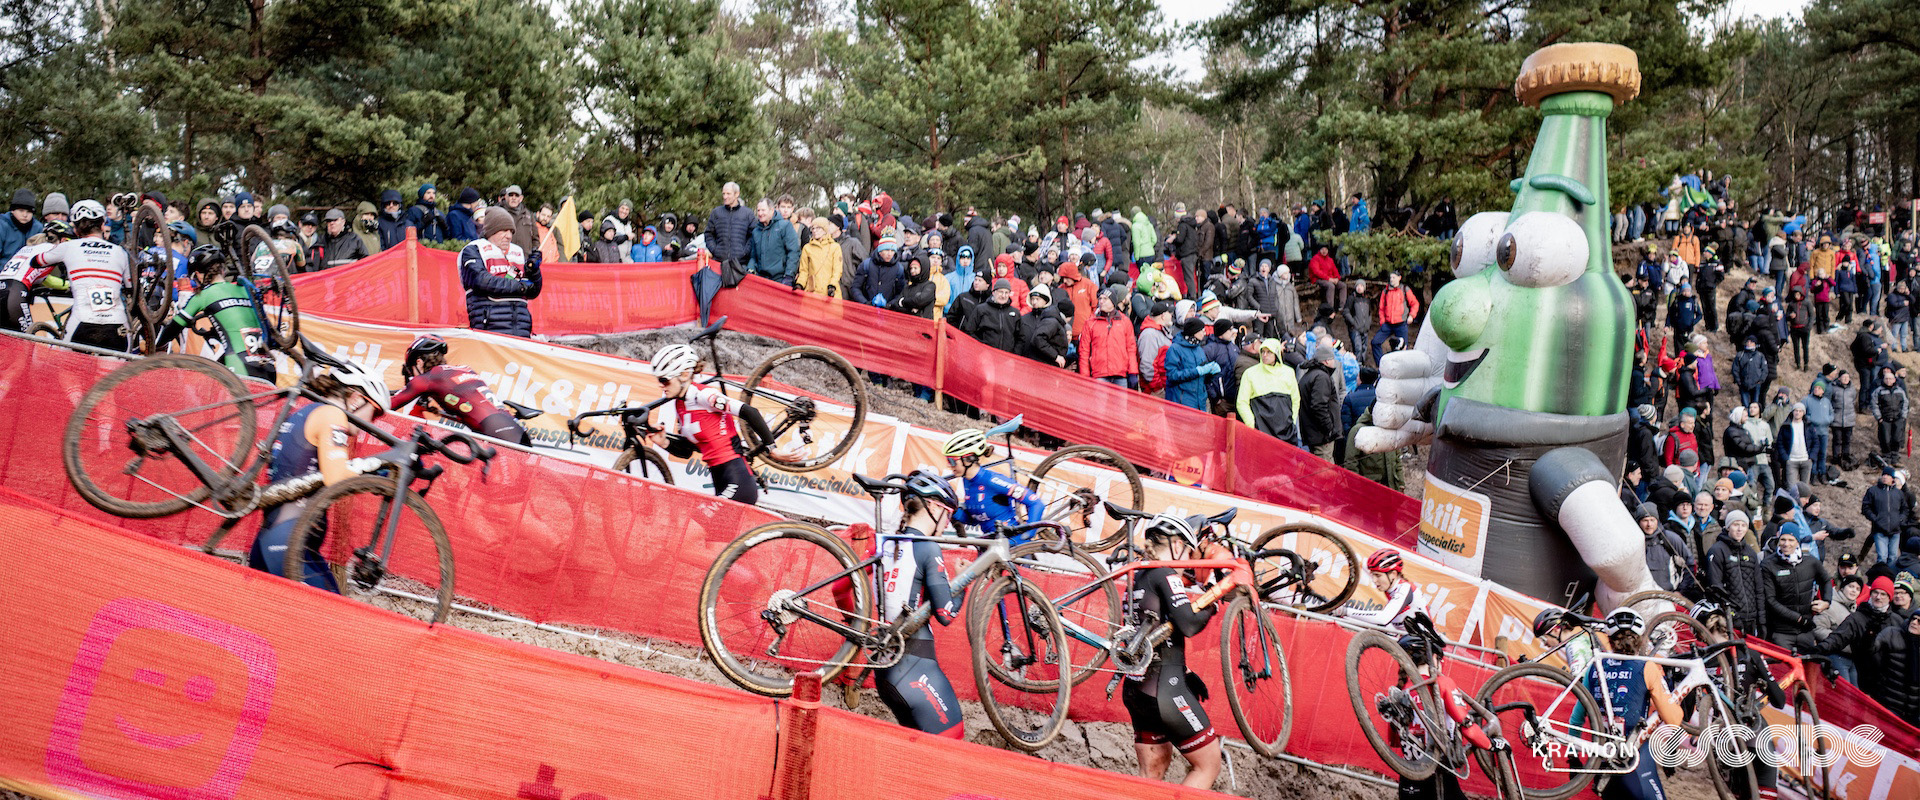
413,275
939,362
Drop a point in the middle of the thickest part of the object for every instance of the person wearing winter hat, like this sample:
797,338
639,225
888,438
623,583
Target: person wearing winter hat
1043,335
1854,636
20,224
54,207
1666,547
499,277
1188,365
246,211
995,322
460,220
881,278
1795,582
336,245
1320,400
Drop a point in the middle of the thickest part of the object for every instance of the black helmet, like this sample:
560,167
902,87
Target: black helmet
1545,621
427,345
1418,648
932,488
284,227
206,258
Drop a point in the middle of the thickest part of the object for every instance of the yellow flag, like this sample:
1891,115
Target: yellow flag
566,227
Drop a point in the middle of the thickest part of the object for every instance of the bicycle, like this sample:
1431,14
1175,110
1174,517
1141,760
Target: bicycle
1098,616
788,596
1068,500
1413,718
773,388
171,432
56,325
1567,739
149,283
253,262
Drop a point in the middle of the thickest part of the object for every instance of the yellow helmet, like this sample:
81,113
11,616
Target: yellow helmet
967,442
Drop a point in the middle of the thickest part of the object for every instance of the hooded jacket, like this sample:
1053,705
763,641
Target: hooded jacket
461,225
393,225
979,237
646,249
206,234
369,234
1670,573
602,250
1735,567
1145,240
1185,384
1845,399
995,325
1151,340
819,270
425,217
1898,651
774,253
1320,404
1791,590
878,278
1043,335
14,235
1107,346
1269,396
919,298
960,278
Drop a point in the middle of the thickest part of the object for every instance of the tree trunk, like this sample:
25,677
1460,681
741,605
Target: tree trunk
261,171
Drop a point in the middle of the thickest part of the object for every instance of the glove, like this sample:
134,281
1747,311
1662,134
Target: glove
533,260
1210,368
880,301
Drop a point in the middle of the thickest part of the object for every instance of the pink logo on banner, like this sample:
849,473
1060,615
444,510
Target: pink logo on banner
191,733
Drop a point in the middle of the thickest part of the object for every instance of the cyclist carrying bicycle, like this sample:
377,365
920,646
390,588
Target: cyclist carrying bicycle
313,440
991,499
19,277
704,420
915,689
1387,569
1631,691
458,393
1164,703
98,271
1443,784
237,332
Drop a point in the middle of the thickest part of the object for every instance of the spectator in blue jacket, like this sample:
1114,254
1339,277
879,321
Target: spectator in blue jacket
646,250
20,224
880,279
730,228
460,224
1188,365
424,214
392,222
775,250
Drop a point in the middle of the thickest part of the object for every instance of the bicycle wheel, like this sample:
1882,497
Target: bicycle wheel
346,524
1677,635
201,400
1070,483
1096,614
746,624
1323,579
149,286
45,330
1378,674
1656,601
1815,780
1019,635
1730,782
1254,676
1538,745
795,389
268,274
650,465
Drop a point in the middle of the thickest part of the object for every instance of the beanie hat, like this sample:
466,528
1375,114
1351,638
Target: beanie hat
242,197
468,195
1235,267
1118,294
1911,545
1646,411
1738,478
158,198
1061,220
1003,283
1645,511
496,220
1209,306
1880,584
24,198
277,209
886,244
1739,515
1689,459
1195,325
56,204
1159,307
1041,292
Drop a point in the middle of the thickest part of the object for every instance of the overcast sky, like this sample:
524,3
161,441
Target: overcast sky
1187,61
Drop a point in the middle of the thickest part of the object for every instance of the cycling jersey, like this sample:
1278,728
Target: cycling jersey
21,267
238,333
706,418
1402,600
98,270
1164,702
456,391
916,690
16,279
990,501
313,439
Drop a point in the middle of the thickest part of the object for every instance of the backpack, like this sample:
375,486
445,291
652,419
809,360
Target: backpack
1159,380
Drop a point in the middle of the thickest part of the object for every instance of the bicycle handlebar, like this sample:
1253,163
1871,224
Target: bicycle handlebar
573,424
474,450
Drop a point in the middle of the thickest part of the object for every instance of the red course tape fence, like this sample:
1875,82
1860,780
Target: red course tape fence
422,285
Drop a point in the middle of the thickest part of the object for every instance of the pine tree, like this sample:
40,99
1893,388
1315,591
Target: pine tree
669,117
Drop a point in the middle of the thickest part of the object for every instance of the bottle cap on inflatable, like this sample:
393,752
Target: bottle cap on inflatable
1579,66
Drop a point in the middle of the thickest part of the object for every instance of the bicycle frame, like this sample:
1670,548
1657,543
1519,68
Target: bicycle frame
1609,742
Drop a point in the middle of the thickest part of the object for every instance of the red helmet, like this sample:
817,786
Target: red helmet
1385,559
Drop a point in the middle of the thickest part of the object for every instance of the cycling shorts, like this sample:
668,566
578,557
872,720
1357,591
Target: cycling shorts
501,425
1176,716
734,480
104,335
18,305
918,693
269,551
1643,783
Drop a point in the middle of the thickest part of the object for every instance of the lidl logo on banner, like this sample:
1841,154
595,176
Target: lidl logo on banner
1453,519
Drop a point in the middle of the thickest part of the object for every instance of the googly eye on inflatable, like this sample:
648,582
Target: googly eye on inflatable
1542,249
1473,244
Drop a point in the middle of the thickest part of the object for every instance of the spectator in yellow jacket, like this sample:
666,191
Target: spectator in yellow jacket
820,260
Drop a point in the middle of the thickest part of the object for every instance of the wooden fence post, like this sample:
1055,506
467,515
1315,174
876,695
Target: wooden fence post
413,275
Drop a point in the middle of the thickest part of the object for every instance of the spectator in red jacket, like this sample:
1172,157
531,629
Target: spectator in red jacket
1681,440
1107,345
1003,269
1397,306
1327,274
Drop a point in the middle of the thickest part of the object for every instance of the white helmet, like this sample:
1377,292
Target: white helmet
86,210
353,376
1172,526
674,359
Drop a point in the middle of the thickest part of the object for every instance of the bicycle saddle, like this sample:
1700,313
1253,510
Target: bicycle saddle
523,412
710,331
892,484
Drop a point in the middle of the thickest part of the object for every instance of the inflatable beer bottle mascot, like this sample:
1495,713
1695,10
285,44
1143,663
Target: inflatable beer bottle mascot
1518,378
